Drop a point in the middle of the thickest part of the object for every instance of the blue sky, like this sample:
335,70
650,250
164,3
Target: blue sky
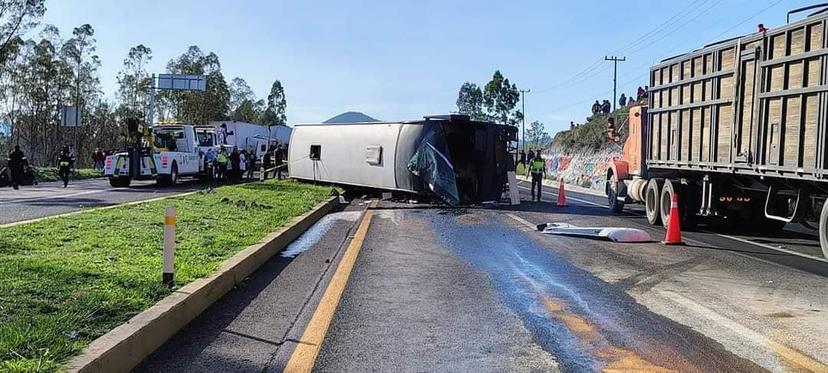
397,60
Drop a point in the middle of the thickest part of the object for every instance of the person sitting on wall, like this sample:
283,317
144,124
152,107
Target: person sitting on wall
596,107
606,107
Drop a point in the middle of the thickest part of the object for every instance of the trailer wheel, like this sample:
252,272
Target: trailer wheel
666,201
823,229
651,201
613,189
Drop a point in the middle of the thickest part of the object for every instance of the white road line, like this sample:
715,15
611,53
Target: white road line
775,248
522,221
22,222
30,199
568,198
745,334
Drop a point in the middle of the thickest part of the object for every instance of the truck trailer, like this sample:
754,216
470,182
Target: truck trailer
248,136
459,160
737,129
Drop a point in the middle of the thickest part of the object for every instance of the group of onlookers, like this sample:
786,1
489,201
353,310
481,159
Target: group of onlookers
236,165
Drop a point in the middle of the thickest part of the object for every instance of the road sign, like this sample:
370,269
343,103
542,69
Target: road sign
70,117
181,82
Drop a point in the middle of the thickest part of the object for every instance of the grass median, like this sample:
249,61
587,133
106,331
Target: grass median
66,281
51,174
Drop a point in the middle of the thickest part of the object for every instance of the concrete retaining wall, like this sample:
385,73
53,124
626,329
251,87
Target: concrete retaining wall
128,344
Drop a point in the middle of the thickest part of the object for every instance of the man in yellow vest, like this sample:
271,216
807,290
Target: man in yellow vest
537,167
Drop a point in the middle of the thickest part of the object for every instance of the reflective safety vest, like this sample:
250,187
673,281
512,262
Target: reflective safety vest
221,158
64,164
536,166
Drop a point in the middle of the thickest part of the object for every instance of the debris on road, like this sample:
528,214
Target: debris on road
616,234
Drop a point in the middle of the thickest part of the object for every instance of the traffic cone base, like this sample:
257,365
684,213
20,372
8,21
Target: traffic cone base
673,236
561,195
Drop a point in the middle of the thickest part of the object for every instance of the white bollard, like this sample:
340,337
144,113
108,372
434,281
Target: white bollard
169,247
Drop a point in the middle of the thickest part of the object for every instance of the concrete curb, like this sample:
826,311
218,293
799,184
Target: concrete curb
572,187
124,347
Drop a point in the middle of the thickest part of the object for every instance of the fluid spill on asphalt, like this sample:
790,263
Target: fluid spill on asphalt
316,231
588,324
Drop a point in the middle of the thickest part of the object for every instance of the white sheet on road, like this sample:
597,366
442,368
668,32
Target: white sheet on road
615,234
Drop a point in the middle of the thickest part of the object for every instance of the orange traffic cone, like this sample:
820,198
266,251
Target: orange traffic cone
561,195
673,236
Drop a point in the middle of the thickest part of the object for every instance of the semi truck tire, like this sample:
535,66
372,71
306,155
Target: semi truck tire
651,201
665,201
613,188
823,229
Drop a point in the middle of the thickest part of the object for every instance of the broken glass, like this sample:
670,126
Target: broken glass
431,163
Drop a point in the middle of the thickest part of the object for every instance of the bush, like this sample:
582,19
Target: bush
591,135
51,174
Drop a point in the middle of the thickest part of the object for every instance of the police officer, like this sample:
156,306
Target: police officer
65,163
537,167
221,164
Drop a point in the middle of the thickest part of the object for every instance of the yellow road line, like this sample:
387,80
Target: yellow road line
304,356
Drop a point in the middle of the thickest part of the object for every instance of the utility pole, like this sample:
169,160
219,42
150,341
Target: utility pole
523,93
614,76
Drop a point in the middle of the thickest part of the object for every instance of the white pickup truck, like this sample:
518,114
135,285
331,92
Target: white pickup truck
176,151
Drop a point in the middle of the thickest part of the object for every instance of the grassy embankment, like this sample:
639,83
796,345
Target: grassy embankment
51,174
592,134
66,281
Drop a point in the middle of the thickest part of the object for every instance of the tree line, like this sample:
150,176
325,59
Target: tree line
497,102
40,75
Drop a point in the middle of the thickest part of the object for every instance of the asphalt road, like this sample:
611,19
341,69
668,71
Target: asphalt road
482,290
50,198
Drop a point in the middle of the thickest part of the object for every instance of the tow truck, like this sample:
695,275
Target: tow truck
163,153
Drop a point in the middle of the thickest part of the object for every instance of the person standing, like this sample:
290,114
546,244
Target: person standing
522,158
242,164
65,163
278,161
251,162
17,162
537,167
235,163
267,162
221,164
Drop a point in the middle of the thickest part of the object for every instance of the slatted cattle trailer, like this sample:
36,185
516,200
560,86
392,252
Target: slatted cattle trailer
738,128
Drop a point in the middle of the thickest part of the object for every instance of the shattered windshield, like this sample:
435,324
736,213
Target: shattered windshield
431,163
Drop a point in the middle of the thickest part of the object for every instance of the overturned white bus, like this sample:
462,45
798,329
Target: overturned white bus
459,160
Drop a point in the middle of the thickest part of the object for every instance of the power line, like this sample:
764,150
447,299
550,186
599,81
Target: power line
666,34
661,26
596,67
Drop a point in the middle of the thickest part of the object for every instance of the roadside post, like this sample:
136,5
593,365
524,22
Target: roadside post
168,264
